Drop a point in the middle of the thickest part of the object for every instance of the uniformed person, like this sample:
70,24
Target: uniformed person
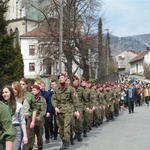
78,122
86,109
40,113
63,99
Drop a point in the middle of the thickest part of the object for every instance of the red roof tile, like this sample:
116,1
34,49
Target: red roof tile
140,56
44,29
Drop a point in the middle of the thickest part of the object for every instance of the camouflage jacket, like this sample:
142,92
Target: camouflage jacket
41,107
66,99
80,91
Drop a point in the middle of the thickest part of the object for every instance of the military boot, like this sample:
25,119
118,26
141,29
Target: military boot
79,137
63,145
72,140
67,146
75,136
84,134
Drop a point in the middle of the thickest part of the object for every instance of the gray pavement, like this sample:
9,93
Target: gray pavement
127,132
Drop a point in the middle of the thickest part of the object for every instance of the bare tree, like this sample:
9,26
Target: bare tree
79,22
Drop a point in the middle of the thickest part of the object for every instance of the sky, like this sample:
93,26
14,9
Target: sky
127,17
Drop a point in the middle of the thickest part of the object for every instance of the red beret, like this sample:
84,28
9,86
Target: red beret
83,79
75,78
35,86
93,84
61,74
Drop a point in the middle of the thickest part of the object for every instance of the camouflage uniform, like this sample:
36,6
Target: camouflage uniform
86,100
109,111
39,124
97,111
64,99
117,100
79,122
103,104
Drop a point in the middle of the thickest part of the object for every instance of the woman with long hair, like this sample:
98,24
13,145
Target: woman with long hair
18,119
7,96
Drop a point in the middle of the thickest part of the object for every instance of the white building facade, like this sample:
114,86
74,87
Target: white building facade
123,60
137,63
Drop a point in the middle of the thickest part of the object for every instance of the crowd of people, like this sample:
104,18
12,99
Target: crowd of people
69,110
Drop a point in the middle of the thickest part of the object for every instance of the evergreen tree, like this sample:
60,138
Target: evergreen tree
101,57
9,65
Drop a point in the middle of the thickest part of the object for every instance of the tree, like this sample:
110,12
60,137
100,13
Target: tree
8,54
79,19
16,67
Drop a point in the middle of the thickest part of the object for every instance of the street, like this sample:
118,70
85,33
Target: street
127,132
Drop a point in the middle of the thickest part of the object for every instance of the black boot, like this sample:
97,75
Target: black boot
72,140
63,145
75,137
79,137
67,146
84,134
107,119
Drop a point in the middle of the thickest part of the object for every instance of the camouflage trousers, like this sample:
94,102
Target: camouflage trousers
85,120
79,123
96,115
38,130
64,125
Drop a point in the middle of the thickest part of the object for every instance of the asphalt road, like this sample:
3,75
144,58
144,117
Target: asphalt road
127,132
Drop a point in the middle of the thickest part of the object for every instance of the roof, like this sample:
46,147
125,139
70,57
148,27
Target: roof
140,56
45,29
131,51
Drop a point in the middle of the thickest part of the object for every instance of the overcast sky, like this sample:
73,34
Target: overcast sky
127,17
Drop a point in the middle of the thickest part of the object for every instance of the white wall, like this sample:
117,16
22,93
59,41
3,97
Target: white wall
137,67
30,59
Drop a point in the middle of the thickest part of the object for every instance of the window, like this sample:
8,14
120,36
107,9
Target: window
17,36
32,50
31,67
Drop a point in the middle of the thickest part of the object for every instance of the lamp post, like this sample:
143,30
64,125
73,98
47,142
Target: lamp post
61,36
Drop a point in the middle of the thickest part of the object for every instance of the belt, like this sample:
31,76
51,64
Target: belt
16,124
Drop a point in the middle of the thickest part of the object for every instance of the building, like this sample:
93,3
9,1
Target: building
37,44
123,60
24,16
137,63
39,49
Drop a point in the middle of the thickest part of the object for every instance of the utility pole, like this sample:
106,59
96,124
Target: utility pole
61,36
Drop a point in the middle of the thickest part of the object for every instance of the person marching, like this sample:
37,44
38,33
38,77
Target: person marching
78,122
31,115
63,99
18,118
39,120
86,109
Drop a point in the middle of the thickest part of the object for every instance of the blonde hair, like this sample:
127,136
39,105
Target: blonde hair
17,87
38,82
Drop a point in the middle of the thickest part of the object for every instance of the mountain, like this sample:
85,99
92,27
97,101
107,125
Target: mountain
136,43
